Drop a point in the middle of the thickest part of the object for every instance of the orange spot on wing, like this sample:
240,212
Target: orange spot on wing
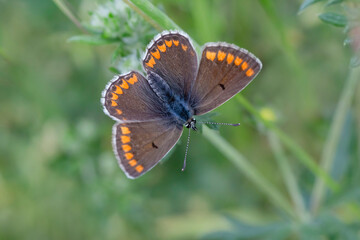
151,62
221,55
250,72
125,139
230,58
133,79
210,55
118,90
114,96
113,103
118,111
124,85
156,54
244,65
139,168
238,61
129,156
125,130
168,43
162,47
176,42
184,47
132,162
126,148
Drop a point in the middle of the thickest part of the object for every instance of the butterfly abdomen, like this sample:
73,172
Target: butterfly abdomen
176,105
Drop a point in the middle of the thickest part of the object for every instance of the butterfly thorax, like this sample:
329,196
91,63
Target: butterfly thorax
177,107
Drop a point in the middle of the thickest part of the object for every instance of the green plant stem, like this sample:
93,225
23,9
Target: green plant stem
304,158
357,119
332,140
146,17
154,15
248,170
300,77
289,176
285,44
63,6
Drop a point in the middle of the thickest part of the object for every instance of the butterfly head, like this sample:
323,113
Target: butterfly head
191,123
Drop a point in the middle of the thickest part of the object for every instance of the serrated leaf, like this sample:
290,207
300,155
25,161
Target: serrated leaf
335,19
307,3
93,40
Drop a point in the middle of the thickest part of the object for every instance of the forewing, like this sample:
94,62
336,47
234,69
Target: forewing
224,71
172,57
140,146
129,98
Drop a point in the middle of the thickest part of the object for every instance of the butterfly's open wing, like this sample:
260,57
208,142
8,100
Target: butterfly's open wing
173,58
224,71
144,132
129,98
140,146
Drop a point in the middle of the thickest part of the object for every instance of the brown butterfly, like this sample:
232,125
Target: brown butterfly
152,111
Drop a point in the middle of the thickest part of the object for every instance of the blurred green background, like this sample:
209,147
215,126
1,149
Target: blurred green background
59,178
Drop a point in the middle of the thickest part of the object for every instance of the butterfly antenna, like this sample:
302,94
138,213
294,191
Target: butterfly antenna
186,151
215,123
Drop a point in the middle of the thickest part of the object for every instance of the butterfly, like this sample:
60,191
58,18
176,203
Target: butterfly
152,111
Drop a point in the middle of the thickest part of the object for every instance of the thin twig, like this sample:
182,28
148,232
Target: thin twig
249,170
333,138
289,176
303,156
63,6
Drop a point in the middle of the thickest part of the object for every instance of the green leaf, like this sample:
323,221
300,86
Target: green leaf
242,230
333,2
220,235
93,40
335,19
307,3
114,70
